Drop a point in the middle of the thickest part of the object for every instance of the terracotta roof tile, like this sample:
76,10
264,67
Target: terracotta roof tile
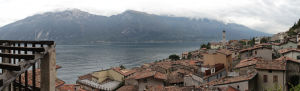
128,88
253,48
124,72
248,62
70,87
231,89
156,88
145,74
282,51
224,51
38,80
271,65
233,79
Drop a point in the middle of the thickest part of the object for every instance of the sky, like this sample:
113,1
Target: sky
270,16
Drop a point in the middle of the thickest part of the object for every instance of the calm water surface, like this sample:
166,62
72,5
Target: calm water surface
78,60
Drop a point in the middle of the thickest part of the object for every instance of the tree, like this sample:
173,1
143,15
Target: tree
174,57
276,87
263,40
189,55
203,46
252,42
208,46
295,88
122,67
242,42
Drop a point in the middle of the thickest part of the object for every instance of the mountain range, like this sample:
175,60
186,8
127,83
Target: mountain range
80,27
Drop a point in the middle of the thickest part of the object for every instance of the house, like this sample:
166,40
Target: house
177,77
284,45
162,67
222,56
270,74
257,40
192,80
279,37
216,45
247,65
256,51
241,83
292,73
293,53
108,79
185,55
214,73
279,72
143,80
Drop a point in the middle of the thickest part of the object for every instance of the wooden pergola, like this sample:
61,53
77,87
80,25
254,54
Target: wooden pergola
17,57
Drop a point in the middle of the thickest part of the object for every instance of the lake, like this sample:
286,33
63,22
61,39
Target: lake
78,60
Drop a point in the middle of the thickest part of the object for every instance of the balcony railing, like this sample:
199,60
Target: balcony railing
17,57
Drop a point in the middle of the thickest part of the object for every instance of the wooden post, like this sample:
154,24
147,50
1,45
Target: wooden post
5,60
48,70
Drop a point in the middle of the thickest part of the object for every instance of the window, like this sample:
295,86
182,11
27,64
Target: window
270,71
275,78
145,80
265,78
298,57
255,52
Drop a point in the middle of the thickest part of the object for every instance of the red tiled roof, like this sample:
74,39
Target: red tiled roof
271,65
38,80
282,51
233,79
253,48
145,74
231,89
119,70
70,87
156,88
248,62
87,76
128,88
278,44
160,76
224,51
284,59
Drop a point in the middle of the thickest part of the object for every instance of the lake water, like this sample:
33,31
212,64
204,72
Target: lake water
78,60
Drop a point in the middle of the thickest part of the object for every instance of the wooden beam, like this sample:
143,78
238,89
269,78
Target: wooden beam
35,49
18,56
11,67
27,41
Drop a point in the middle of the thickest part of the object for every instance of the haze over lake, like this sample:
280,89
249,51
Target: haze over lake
78,60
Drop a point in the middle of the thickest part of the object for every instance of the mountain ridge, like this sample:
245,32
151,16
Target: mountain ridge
76,26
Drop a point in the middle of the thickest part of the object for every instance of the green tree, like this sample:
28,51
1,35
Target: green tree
252,42
189,55
208,46
122,67
242,42
263,40
295,88
174,57
276,87
203,46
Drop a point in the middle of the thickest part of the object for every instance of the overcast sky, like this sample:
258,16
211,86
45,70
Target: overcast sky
271,16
